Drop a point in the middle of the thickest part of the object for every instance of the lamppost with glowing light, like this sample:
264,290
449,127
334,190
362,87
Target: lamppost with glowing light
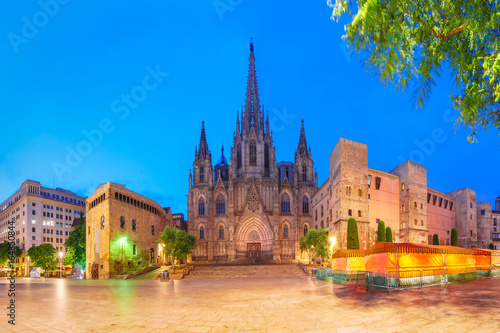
28,266
60,264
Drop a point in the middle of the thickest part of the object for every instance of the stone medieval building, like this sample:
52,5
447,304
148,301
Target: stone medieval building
251,206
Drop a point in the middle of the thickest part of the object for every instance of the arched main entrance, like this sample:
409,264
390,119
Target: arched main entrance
254,238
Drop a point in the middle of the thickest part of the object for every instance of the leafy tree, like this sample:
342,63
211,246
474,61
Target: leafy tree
5,252
409,41
43,256
435,239
315,243
76,244
454,237
388,235
352,235
177,243
492,247
381,231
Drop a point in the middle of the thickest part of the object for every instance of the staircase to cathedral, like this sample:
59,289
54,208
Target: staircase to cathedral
246,271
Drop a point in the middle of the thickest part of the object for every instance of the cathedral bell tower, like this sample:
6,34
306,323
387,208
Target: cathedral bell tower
202,166
253,153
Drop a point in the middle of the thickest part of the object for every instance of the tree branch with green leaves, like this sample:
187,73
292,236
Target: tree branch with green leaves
410,41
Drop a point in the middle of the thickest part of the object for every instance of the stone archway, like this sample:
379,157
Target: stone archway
254,230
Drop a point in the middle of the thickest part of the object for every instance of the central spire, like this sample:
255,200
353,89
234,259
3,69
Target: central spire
252,115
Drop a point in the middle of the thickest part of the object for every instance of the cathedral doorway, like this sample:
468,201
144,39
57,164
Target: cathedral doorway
254,238
254,250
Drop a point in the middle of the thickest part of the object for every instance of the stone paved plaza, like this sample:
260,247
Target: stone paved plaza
294,304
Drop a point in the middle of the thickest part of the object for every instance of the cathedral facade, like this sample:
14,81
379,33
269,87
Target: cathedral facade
250,206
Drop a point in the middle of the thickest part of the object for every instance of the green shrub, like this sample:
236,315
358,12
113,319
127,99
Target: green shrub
454,237
435,239
381,231
352,235
492,247
388,235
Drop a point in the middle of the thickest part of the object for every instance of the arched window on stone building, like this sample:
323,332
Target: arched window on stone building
253,153
306,229
221,232
285,203
305,204
202,232
304,173
220,205
285,230
201,206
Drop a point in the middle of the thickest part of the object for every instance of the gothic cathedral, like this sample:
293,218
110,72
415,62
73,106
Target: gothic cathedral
251,207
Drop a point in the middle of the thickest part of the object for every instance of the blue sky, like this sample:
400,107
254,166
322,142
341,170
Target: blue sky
67,74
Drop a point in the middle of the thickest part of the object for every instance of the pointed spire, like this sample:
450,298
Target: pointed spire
268,131
302,148
252,114
203,151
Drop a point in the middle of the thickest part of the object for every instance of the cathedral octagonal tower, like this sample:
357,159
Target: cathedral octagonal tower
252,207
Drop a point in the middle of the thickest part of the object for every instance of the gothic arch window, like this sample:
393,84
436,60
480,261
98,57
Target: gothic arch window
201,206
221,231
285,230
305,205
238,156
202,174
220,205
359,213
266,157
349,212
306,229
253,153
202,232
304,173
285,203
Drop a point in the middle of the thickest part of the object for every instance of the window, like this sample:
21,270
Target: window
134,225
403,208
369,180
266,157
122,222
221,232
368,196
349,212
285,203
348,190
360,193
202,174
378,180
471,233
451,205
359,213
201,206
253,153
415,221
483,212
33,212
316,214
305,229
440,202
103,219
220,205
153,230
377,220
471,207
429,197
134,249
285,231
304,173
422,222
238,156
434,198
403,225
202,232
402,186
305,205
494,221
321,210
33,204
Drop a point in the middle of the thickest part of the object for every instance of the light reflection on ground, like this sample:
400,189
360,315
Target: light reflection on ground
296,304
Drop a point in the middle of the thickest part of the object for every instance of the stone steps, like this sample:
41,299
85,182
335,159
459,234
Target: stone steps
245,271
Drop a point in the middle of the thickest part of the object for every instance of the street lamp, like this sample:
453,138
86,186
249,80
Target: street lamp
28,266
60,264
